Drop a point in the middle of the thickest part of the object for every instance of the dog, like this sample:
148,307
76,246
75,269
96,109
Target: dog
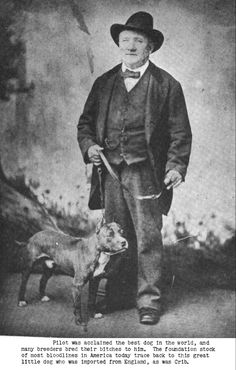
84,259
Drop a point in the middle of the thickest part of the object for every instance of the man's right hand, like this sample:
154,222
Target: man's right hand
93,154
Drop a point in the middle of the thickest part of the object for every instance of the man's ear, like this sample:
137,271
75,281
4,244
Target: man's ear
150,46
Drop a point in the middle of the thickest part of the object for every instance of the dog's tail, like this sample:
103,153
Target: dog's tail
21,244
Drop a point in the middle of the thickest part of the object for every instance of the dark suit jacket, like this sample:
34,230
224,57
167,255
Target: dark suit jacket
167,128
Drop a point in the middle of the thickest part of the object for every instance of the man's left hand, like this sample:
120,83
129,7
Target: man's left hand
172,179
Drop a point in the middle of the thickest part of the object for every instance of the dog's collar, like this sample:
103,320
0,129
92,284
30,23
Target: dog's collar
122,250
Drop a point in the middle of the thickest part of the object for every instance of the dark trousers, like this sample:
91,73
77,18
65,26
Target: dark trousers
141,221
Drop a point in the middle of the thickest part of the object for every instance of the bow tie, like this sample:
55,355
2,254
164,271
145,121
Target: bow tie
130,74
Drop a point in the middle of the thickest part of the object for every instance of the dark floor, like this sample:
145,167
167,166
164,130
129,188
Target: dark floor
190,313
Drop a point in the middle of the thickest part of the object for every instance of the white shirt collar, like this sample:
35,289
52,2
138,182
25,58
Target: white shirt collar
141,69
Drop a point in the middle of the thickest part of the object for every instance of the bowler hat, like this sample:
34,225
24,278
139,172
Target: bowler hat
140,22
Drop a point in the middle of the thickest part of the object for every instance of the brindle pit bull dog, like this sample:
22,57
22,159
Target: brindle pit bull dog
76,257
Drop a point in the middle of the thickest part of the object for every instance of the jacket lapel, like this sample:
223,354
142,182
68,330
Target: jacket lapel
105,96
155,101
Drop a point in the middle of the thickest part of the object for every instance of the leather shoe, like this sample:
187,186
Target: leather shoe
149,316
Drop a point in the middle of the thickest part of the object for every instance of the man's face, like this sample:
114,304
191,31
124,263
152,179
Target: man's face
134,48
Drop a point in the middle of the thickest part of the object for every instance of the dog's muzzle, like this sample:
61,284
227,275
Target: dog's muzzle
124,247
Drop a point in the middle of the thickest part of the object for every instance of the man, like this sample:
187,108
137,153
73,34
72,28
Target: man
136,115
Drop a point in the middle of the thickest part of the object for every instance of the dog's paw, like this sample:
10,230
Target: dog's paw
45,298
22,303
98,315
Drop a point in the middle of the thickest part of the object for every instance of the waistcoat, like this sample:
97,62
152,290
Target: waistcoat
125,131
